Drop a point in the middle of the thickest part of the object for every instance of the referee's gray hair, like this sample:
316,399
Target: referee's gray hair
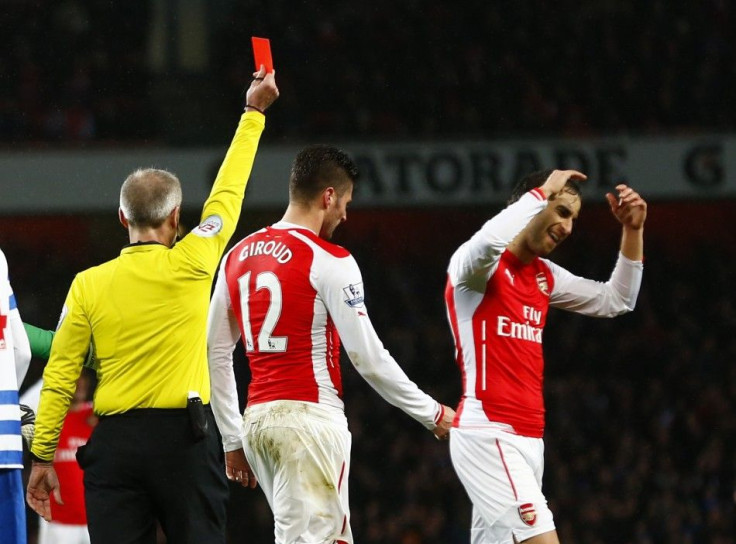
148,196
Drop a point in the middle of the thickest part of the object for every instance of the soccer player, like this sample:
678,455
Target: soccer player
15,357
68,523
154,455
293,296
499,288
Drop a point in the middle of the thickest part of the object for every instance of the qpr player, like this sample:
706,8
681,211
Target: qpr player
15,358
499,288
294,296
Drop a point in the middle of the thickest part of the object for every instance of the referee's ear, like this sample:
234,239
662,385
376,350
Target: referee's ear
123,220
174,218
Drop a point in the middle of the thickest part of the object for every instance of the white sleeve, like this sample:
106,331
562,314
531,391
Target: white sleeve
222,335
21,345
475,260
32,395
615,297
341,289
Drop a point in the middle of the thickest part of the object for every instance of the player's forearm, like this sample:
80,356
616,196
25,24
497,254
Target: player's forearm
224,394
228,190
40,341
499,232
632,243
598,299
223,334
384,375
224,401
626,282
486,246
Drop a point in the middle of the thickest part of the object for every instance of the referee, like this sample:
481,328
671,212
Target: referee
155,454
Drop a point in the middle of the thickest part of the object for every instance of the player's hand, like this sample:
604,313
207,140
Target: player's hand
557,180
41,483
629,208
263,90
442,430
238,470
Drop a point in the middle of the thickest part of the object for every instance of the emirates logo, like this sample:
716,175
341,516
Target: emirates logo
528,514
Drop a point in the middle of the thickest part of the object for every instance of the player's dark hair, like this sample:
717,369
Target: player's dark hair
317,167
536,179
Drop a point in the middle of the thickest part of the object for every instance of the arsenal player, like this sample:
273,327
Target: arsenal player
68,523
499,289
294,296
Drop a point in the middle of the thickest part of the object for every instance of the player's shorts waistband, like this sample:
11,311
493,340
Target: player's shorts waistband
287,409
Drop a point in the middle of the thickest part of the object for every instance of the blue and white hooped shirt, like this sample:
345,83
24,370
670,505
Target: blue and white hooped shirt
11,442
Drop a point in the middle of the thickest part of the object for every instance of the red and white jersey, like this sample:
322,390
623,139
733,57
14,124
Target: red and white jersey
75,432
497,308
293,297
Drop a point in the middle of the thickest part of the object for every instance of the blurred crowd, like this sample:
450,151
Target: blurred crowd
73,71
641,435
432,68
78,70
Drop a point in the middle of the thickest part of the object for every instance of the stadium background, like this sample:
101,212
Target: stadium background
642,422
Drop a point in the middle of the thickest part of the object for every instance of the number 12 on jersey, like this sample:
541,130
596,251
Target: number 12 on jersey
267,343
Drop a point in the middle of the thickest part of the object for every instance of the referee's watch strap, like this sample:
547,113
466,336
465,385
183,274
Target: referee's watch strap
38,461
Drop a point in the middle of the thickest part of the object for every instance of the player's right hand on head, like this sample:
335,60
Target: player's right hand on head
263,90
557,180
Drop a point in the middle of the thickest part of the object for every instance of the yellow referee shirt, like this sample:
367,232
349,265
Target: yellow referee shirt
146,312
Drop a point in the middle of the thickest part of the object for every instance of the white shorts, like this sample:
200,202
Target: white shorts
300,453
59,533
502,474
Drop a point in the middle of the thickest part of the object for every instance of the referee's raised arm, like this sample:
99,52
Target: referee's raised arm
222,209
155,454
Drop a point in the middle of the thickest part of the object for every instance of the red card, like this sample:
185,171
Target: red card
262,53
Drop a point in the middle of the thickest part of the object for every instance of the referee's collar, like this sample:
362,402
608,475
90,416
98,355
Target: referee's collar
139,244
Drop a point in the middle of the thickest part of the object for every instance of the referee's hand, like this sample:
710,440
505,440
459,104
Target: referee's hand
41,483
262,91
238,470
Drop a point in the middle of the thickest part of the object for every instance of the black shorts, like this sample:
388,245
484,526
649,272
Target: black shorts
145,466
